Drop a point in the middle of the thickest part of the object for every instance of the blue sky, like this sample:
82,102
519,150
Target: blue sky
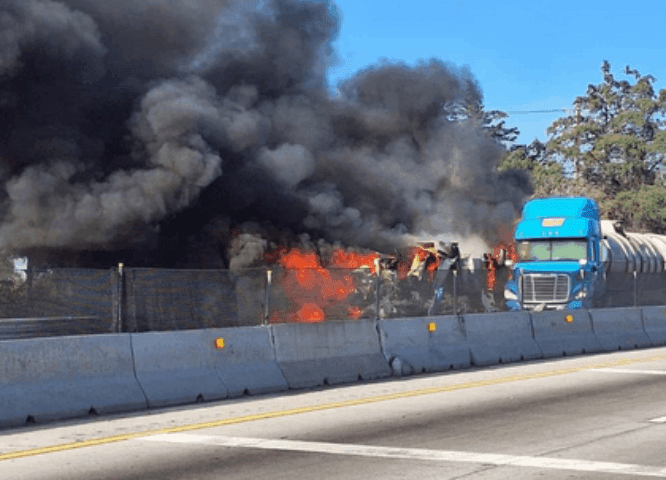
526,55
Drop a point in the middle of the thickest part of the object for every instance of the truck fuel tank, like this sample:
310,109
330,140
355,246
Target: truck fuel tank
631,252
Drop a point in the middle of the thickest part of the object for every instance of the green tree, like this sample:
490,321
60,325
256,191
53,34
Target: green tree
495,126
547,177
615,143
492,122
642,210
611,148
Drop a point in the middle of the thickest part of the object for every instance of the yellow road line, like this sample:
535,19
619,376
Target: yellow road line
317,408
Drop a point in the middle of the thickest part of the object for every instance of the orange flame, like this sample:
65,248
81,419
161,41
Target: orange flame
354,312
317,287
352,260
493,261
312,287
310,313
416,256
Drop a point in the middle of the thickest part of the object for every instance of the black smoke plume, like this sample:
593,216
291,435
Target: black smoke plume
200,132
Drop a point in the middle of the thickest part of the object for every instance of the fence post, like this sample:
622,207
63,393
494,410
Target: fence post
455,292
267,295
118,300
635,290
377,287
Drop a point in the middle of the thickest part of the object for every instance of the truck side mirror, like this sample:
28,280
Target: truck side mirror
582,262
604,253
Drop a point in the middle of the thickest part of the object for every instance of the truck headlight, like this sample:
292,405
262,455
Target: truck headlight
509,295
580,294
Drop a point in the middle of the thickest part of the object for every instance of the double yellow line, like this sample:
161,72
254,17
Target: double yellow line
324,406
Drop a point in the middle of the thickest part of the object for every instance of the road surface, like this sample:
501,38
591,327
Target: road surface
595,416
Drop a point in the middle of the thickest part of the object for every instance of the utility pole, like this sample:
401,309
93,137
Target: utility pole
577,161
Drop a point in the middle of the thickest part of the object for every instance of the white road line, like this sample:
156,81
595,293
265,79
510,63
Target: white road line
413,454
659,420
623,370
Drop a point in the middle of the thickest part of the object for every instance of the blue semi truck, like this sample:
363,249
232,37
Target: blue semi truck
567,258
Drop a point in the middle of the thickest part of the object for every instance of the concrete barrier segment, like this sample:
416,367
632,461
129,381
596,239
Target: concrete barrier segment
619,328
329,352
500,338
564,332
177,367
418,348
246,362
65,377
654,323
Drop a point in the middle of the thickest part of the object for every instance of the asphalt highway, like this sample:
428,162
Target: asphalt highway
595,416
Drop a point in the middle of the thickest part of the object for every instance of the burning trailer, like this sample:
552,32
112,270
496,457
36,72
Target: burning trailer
430,278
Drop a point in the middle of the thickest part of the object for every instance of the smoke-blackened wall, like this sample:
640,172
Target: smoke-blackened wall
197,132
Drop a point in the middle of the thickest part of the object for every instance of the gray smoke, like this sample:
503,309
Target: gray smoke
164,126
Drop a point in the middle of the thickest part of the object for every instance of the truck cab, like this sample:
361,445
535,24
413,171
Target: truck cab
561,262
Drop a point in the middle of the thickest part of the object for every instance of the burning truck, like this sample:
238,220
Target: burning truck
429,278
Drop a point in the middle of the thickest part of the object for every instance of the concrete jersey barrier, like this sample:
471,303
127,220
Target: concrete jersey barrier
177,367
329,352
65,377
419,350
558,337
247,363
500,338
654,323
619,328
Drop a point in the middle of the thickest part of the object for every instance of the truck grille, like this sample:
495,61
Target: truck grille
545,288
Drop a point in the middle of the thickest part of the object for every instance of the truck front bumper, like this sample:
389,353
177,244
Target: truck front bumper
540,307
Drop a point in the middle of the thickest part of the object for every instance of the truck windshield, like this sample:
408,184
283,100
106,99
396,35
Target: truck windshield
557,250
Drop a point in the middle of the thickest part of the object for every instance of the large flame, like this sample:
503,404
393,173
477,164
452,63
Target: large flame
314,287
424,258
497,259
319,289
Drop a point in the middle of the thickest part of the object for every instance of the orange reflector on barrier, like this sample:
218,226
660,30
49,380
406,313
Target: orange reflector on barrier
568,318
219,343
432,326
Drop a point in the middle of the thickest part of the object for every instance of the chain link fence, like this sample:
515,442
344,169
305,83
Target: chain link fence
85,301
311,295
59,302
163,299
634,289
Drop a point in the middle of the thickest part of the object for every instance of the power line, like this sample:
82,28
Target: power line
522,112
